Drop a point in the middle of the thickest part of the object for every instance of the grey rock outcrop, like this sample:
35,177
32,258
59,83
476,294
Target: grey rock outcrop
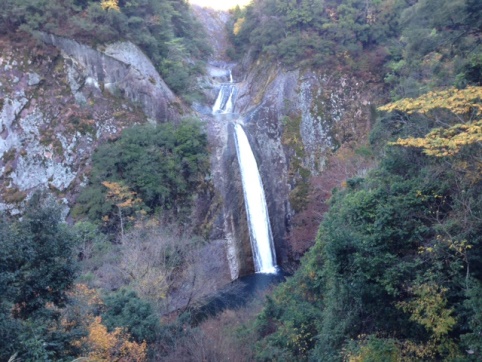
58,103
124,70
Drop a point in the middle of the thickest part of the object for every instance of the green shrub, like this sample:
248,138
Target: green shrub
163,165
126,310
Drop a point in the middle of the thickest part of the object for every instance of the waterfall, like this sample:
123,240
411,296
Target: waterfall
261,238
255,203
225,101
229,107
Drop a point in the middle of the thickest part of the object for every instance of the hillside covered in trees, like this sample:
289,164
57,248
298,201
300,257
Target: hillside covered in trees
413,45
165,30
395,273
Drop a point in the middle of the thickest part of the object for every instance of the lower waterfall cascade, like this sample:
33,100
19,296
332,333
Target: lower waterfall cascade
256,209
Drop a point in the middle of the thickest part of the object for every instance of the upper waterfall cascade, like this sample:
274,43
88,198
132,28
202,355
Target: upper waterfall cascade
225,101
261,237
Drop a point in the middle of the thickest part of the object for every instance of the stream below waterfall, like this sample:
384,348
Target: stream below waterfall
236,295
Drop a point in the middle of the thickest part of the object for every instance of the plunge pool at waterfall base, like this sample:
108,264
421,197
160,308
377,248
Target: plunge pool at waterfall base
237,294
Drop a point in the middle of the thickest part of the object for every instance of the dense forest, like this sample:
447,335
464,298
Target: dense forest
395,273
413,45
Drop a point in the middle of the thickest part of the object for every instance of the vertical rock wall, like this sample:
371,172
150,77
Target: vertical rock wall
295,119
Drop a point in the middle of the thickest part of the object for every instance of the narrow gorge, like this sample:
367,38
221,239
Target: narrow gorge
282,181
293,120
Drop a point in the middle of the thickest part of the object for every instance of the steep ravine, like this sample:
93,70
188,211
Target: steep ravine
295,119
59,101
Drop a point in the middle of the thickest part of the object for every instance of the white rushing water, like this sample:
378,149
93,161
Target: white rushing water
256,209
225,101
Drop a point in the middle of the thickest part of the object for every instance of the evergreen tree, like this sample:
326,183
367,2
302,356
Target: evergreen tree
36,269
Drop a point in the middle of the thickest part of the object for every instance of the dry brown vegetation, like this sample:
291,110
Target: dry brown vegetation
342,165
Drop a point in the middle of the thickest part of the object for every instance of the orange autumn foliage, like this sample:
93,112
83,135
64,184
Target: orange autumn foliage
114,346
121,195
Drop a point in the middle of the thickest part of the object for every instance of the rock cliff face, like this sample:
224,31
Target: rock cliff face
123,70
58,101
296,119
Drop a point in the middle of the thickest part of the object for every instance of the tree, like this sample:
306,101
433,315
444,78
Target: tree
38,266
429,308
87,239
123,199
463,102
152,168
125,309
447,142
315,31
110,5
36,271
107,346
438,43
389,277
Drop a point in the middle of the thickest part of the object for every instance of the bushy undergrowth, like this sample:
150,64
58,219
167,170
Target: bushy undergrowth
395,272
148,169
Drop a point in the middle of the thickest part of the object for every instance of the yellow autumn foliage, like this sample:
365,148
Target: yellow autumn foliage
110,5
429,308
238,25
368,353
442,142
99,345
458,101
445,142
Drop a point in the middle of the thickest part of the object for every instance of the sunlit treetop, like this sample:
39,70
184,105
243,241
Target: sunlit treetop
110,5
458,101
442,142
